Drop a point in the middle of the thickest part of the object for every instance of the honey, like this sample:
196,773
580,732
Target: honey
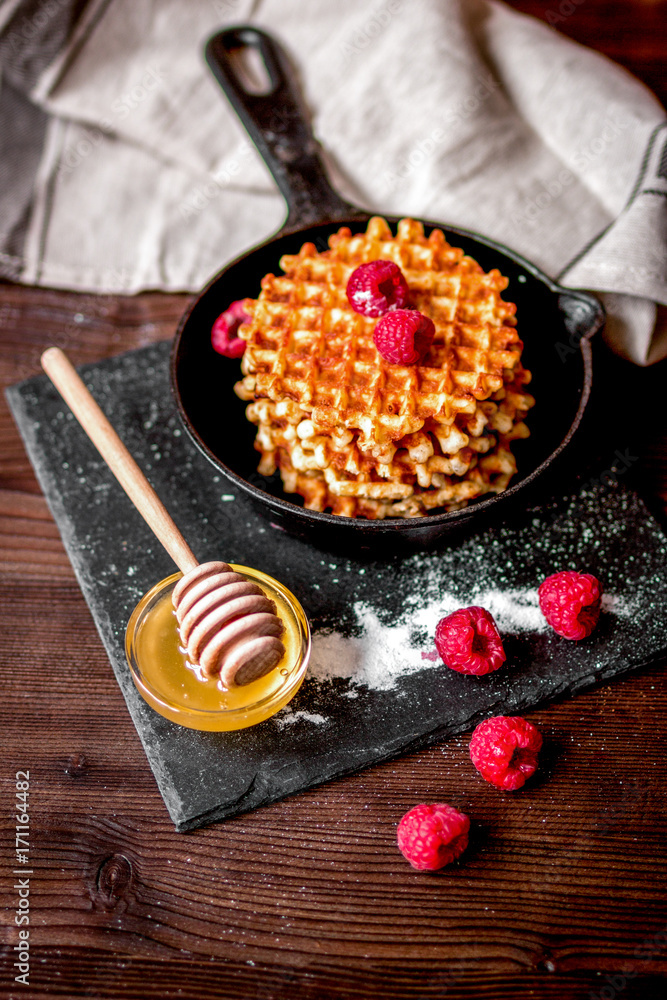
175,689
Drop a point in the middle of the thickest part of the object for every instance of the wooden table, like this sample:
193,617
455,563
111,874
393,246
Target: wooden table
563,893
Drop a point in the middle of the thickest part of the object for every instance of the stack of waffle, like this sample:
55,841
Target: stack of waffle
357,435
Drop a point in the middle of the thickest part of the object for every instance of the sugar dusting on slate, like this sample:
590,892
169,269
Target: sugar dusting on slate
381,654
288,717
377,655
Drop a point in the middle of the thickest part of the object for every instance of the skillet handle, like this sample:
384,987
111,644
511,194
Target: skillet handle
277,122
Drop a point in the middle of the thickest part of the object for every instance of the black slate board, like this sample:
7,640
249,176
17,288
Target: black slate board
376,686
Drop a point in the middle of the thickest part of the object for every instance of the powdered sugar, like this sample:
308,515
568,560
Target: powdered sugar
622,607
288,718
379,654
514,610
377,657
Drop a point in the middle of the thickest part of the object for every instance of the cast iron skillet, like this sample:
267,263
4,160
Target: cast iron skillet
556,325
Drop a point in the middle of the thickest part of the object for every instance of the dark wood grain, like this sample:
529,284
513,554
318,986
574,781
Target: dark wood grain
631,32
562,894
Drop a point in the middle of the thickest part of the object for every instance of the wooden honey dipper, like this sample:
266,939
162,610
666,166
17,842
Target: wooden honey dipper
228,625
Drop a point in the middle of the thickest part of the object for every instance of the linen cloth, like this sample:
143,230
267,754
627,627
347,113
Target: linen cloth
124,168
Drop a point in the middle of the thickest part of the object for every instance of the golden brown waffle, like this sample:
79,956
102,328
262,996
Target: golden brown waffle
356,434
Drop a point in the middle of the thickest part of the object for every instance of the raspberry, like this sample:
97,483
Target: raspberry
504,750
373,289
223,334
468,641
570,602
404,336
432,835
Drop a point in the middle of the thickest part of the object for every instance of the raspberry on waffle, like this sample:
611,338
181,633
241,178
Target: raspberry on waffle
356,434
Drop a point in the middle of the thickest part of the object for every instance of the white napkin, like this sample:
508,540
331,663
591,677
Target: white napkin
459,110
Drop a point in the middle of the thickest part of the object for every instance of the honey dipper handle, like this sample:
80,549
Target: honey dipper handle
70,386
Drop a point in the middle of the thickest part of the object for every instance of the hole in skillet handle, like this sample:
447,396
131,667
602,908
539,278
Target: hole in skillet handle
249,67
